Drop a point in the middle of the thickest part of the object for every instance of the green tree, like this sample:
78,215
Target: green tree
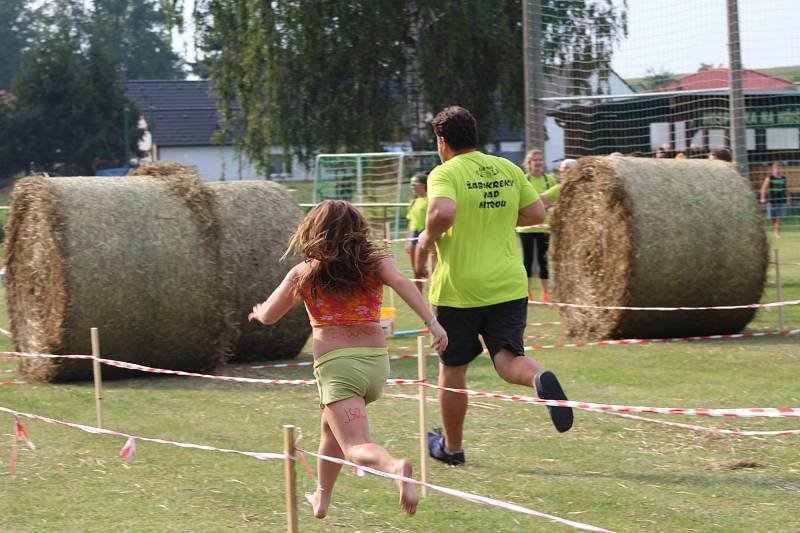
135,34
12,160
305,74
69,107
655,80
331,75
15,20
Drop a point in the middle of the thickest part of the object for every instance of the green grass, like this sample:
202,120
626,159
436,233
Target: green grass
620,474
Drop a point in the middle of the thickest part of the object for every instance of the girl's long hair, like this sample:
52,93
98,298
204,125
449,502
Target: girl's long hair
334,240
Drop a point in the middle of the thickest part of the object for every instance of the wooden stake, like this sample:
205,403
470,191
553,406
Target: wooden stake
290,475
423,422
98,376
779,289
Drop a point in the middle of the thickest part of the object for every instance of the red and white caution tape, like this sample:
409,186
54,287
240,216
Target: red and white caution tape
735,432
619,342
746,412
5,332
262,456
539,324
13,382
628,308
772,412
475,498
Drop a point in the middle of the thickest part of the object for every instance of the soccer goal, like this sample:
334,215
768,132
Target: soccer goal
377,182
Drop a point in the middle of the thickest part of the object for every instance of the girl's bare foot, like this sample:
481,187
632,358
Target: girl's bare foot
408,491
319,502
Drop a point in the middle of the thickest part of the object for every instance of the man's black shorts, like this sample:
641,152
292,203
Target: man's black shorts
501,326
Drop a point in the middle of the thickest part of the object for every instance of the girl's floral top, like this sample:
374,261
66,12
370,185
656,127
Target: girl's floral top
362,304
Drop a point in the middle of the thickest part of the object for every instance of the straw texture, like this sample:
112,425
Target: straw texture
133,256
656,232
256,219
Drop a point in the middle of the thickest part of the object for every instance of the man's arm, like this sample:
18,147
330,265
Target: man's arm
441,217
531,214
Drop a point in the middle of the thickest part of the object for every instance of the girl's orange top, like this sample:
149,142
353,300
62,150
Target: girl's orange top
362,304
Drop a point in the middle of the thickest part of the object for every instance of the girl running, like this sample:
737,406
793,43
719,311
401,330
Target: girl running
341,282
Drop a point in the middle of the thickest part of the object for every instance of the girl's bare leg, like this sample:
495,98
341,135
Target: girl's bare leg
348,422
327,470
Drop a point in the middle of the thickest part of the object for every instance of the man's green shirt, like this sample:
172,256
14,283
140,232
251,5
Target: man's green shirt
480,262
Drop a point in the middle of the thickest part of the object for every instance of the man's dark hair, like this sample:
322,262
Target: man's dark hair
457,126
723,154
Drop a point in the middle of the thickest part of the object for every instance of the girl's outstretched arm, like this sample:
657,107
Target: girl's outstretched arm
280,301
408,291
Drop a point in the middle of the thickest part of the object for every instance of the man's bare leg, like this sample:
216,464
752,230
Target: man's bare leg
453,405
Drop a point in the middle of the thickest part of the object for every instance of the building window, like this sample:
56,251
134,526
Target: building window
680,135
659,136
716,139
697,141
783,139
750,136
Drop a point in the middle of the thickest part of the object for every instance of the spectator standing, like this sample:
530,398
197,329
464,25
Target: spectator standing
417,210
774,194
536,241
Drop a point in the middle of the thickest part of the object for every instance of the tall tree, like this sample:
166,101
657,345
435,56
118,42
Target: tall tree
306,74
136,36
346,74
15,20
69,107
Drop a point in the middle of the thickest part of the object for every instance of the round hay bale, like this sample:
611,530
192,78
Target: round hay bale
137,257
656,233
257,218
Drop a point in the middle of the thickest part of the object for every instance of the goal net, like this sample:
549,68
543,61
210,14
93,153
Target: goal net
666,91
377,182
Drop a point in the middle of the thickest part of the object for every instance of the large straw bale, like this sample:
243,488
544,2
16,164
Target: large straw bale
657,233
257,218
137,257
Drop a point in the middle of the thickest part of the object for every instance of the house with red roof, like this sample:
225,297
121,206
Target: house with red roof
719,78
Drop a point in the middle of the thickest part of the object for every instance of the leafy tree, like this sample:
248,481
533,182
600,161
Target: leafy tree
14,32
12,160
69,107
306,74
655,80
331,75
136,36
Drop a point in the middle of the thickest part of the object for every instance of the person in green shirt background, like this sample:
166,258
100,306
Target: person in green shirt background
417,210
535,241
774,194
479,286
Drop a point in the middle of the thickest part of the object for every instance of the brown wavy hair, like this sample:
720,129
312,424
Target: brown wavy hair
334,239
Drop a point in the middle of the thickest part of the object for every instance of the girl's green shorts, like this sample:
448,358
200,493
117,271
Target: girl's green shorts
349,372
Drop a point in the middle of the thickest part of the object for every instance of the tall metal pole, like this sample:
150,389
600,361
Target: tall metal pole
533,72
737,111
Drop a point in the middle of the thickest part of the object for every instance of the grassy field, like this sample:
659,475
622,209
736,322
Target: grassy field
620,474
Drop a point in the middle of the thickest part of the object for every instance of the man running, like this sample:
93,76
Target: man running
479,286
